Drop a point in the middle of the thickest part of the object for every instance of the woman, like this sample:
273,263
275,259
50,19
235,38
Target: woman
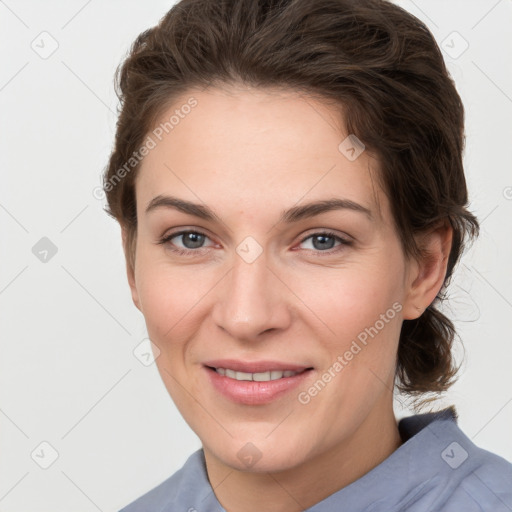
288,179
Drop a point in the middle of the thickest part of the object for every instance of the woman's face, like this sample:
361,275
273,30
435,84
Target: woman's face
276,321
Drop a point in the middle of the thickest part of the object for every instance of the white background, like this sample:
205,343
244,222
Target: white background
68,375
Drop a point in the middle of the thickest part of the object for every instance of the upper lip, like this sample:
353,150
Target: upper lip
255,366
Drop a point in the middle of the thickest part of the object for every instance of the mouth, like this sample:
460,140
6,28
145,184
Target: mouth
258,376
255,383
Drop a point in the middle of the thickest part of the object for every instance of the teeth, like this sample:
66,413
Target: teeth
258,377
261,377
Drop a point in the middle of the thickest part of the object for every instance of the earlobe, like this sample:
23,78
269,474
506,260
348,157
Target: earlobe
429,272
130,269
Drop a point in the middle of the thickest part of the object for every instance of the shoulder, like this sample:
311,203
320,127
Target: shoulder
489,484
467,477
486,484
182,488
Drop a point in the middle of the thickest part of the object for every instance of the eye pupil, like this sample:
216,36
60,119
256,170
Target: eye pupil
322,239
196,238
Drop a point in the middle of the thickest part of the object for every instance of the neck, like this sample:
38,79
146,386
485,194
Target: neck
298,488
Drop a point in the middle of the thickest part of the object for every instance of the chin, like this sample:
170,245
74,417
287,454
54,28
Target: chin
261,455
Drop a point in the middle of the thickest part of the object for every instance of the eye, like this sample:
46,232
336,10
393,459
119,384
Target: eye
323,242
191,242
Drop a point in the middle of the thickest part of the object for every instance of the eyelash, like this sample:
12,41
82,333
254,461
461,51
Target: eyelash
196,252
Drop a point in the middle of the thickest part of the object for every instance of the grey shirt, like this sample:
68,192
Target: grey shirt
438,468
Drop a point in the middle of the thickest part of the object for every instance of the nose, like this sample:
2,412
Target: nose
251,300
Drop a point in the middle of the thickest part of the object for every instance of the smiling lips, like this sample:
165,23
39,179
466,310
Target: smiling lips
258,377
254,383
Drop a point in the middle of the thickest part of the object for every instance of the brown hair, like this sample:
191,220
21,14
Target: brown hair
379,63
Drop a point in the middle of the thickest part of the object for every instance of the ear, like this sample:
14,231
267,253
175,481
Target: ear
130,270
426,276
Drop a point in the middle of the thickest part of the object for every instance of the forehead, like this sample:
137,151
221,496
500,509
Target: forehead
257,147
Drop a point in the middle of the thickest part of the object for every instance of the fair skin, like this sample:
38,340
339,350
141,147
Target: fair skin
249,154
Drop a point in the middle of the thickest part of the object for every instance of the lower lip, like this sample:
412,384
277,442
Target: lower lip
250,392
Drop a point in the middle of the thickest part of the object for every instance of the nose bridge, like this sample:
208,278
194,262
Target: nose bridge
251,300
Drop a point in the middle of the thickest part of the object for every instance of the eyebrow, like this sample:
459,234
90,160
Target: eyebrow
289,216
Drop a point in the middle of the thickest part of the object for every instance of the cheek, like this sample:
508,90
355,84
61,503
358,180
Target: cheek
348,300
175,300
359,359
167,295
360,312
171,305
